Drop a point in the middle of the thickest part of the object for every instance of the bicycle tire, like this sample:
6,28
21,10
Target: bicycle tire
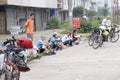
114,37
14,75
101,41
5,75
90,40
97,42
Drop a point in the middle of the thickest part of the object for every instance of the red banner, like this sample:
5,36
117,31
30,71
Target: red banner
76,22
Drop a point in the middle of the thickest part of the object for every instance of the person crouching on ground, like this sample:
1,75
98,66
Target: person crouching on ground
44,47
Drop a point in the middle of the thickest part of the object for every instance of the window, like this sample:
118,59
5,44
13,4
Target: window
2,8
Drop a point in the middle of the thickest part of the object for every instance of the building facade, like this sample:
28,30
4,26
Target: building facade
64,11
15,12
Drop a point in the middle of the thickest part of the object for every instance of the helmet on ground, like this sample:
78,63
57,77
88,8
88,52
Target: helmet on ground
76,42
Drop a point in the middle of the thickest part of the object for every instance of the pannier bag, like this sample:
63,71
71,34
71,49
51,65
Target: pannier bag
24,42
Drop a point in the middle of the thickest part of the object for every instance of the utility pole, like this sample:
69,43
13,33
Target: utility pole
70,11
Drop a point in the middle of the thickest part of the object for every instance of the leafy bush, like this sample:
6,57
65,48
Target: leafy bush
66,27
96,21
85,27
54,22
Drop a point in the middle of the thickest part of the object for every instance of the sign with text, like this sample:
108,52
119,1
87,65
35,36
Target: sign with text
76,22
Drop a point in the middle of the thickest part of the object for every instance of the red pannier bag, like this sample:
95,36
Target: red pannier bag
27,43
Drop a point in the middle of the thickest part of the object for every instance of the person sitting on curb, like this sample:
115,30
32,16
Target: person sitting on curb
56,42
67,39
75,37
44,47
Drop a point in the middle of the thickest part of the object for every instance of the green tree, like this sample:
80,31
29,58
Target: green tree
90,13
78,11
103,11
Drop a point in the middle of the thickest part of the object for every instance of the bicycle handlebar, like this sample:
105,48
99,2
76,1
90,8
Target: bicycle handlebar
11,41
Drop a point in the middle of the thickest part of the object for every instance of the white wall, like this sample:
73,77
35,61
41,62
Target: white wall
65,4
19,2
51,3
34,3
38,3
76,3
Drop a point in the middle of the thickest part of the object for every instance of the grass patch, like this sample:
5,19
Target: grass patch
31,57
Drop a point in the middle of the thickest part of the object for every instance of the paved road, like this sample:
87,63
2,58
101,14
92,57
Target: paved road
80,62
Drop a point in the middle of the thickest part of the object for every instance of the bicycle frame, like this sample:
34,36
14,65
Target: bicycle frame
10,65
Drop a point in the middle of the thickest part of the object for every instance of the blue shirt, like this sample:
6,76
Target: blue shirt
53,39
58,40
40,43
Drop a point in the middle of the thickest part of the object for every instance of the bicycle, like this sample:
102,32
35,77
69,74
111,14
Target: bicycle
114,35
99,35
92,36
15,59
98,39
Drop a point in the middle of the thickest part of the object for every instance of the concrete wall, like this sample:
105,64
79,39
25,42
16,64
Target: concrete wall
19,2
16,16
38,17
51,3
32,3
41,19
2,22
2,2
11,19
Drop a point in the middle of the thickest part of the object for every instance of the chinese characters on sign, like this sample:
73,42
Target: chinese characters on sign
76,22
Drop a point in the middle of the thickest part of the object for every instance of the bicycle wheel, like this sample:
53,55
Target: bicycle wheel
15,75
90,40
97,42
5,75
101,41
114,36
